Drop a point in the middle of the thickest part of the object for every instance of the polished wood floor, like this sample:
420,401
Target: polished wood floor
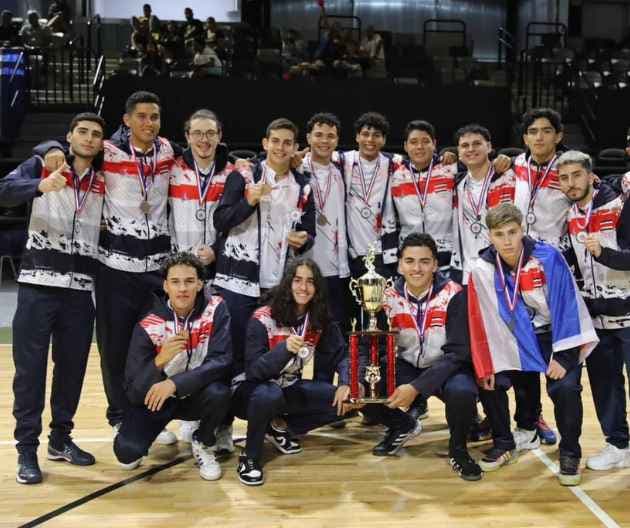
335,482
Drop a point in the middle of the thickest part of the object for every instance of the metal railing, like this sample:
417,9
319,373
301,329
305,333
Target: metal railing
62,75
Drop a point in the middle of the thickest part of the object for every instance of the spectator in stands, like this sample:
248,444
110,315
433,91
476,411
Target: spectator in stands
348,64
172,43
59,16
152,63
145,28
192,29
213,32
293,48
205,61
373,48
34,34
9,33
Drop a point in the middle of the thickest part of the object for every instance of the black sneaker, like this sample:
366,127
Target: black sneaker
249,471
569,474
494,458
28,471
395,439
480,431
283,440
465,466
70,452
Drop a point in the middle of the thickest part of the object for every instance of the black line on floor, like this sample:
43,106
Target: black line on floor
99,493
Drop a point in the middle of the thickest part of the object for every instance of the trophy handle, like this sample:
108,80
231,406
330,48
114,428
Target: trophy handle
389,283
354,289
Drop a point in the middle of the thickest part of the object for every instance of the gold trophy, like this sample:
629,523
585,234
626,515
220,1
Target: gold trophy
369,292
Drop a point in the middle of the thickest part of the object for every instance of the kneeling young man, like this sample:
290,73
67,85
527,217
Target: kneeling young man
433,357
283,336
178,366
526,316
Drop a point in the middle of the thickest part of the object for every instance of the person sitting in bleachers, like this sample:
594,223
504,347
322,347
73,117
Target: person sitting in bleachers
33,33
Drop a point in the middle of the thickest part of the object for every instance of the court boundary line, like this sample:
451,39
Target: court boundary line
583,497
103,491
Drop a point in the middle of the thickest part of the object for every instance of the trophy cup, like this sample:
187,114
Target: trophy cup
368,290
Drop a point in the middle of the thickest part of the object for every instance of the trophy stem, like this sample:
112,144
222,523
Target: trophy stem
372,326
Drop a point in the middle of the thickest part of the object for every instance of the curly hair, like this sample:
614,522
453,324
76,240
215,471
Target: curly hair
283,306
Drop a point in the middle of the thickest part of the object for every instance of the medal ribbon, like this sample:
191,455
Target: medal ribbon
321,197
588,212
185,325
79,201
203,189
368,188
533,189
422,314
144,180
511,302
422,199
476,207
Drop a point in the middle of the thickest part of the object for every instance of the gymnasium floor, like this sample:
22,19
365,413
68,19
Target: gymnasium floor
335,482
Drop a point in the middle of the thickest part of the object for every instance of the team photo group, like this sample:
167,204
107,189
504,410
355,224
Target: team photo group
214,282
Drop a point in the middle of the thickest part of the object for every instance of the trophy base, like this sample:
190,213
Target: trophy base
367,400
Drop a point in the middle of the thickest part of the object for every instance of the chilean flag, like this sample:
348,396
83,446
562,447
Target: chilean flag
500,340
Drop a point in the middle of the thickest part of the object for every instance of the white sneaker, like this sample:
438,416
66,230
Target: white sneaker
209,468
166,437
525,439
186,430
224,443
131,465
608,458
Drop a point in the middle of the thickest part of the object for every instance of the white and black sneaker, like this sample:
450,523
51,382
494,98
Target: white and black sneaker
395,439
465,466
283,440
249,471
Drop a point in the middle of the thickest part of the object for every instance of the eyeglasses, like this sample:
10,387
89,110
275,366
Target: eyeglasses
208,134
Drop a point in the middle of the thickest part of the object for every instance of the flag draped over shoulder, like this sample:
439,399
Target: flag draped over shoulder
501,340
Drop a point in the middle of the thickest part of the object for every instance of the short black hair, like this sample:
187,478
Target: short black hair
418,240
372,120
141,97
537,113
282,124
323,118
87,116
203,113
473,128
423,126
183,259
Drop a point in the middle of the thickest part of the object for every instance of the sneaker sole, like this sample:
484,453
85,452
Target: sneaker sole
529,446
61,458
490,468
27,482
279,447
211,477
569,480
251,483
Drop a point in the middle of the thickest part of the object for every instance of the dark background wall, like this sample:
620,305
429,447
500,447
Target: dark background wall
247,107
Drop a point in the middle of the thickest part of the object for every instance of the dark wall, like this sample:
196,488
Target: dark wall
612,117
246,107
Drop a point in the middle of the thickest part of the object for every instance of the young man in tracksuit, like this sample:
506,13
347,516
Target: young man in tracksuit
264,216
55,291
178,366
137,169
433,354
526,317
599,230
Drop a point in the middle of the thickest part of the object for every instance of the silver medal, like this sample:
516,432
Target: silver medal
365,212
145,207
200,214
476,228
304,352
530,218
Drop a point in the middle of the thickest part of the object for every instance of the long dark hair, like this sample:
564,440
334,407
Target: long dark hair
283,306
